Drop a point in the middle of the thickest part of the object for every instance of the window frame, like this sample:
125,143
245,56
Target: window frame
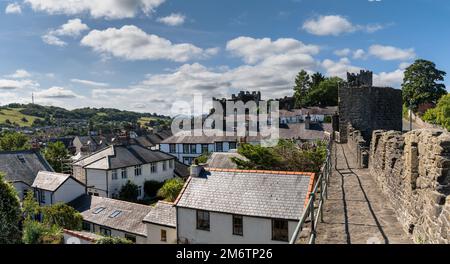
163,235
171,164
221,146
276,236
203,148
130,237
153,167
164,165
172,148
186,149
123,173
200,222
237,233
42,196
105,231
193,148
234,145
114,174
138,170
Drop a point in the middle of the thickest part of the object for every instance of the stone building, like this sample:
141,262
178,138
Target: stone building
367,108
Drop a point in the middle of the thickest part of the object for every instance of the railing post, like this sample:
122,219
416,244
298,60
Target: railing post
321,201
313,227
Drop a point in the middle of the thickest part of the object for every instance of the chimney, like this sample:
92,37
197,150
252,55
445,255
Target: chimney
307,121
196,170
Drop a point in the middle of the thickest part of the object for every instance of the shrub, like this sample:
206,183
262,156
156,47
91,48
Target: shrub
10,213
129,192
63,216
171,188
151,188
113,240
38,233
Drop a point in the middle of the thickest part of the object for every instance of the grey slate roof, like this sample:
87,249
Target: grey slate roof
266,194
163,213
119,156
181,170
23,166
297,130
49,181
129,220
223,160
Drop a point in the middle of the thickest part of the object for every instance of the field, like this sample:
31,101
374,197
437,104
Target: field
13,115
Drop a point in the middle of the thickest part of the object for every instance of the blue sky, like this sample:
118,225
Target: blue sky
144,55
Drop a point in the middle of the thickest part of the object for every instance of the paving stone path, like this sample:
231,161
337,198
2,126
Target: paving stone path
356,211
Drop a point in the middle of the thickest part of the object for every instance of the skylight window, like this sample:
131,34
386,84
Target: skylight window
21,158
115,214
99,210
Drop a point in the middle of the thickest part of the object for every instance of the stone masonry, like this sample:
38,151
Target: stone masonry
368,108
413,172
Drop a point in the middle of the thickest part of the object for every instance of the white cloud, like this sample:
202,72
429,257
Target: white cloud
335,25
53,40
56,92
6,84
391,79
391,53
73,28
90,83
173,19
342,52
19,74
110,9
404,65
131,43
255,50
339,68
359,54
13,8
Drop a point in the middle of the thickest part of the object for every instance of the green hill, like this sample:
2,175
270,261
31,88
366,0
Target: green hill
15,116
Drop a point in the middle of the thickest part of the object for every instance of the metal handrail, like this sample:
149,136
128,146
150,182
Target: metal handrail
310,211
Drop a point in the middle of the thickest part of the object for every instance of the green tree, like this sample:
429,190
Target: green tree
56,154
30,206
302,84
440,115
316,79
422,84
325,93
11,141
151,188
129,192
113,241
10,213
62,215
38,233
171,188
259,158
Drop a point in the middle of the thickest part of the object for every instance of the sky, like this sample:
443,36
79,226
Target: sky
147,55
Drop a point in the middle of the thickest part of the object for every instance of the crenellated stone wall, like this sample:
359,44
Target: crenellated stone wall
413,172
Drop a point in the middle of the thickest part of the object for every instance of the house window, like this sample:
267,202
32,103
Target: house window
164,165
172,148
137,170
114,174
86,226
139,191
131,238
105,231
280,230
153,167
232,145
219,146
123,172
163,235
193,148
238,227
185,148
188,160
171,164
202,220
42,198
205,148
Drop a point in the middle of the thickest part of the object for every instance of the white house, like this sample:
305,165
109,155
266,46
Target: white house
52,187
161,224
21,167
106,171
236,206
316,114
111,217
187,148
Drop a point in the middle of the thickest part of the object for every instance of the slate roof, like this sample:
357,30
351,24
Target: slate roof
163,213
144,141
120,156
298,131
23,166
181,170
223,160
268,194
191,138
129,220
51,181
